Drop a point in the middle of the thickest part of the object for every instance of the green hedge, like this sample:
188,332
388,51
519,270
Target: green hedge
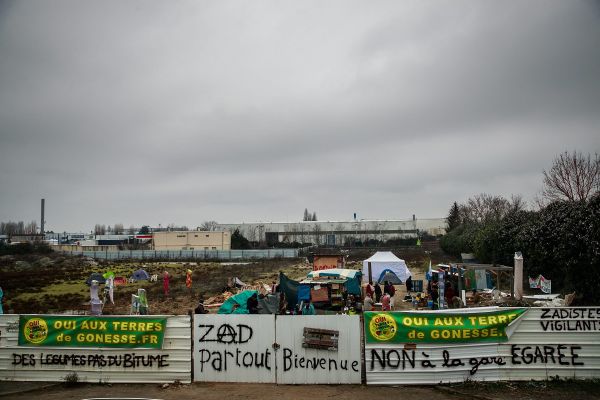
561,242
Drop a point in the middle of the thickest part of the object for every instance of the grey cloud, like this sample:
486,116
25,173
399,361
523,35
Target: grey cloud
152,112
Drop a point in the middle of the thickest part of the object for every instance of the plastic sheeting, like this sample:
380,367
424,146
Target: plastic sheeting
303,292
289,287
268,304
237,304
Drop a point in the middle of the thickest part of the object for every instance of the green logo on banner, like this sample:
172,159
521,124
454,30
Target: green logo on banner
416,327
71,331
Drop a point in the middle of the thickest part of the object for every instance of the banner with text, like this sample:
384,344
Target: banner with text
411,327
71,331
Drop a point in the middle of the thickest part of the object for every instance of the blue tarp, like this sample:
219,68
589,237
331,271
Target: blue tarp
303,293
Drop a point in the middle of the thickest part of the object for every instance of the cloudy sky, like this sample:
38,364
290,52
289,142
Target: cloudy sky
148,112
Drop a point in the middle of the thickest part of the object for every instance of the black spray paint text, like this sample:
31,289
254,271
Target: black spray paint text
129,360
225,333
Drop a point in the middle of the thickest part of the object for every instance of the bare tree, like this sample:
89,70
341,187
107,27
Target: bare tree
573,177
118,229
317,232
131,230
485,207
31,228
208,226
99,229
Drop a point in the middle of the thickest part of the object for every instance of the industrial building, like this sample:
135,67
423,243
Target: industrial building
191,240
336,233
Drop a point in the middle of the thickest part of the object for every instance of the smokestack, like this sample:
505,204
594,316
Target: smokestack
42,220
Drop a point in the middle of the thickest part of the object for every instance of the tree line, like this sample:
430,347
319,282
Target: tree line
18,228
559,238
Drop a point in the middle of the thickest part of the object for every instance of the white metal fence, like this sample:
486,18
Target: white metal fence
548,342
544,343
268,348
187,254
134,365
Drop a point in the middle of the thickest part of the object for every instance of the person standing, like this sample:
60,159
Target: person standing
385,302
377,293
386,287
252,304
392,293
369,289
368,303
409,285
434,294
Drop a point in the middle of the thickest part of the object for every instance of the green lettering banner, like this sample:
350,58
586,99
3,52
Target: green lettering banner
417,327
70,331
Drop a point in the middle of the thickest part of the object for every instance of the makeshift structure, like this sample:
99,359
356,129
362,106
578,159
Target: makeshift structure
289,288
140,275
95,302
143,302
109,290
328,261
237,304
381,263
326,288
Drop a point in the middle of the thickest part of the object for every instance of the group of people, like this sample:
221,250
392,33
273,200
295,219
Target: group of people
374,294
451,296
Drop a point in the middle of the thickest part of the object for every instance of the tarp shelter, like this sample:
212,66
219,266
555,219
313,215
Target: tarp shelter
289,287
140,275
383,262
237,304
268,304
350,277
95,276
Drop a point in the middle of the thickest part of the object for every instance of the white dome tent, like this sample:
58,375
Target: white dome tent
383,263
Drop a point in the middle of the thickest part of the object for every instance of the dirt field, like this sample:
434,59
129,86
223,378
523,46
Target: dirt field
47,284
209,391
39,284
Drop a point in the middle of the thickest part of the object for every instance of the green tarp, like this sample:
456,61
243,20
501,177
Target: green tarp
237,304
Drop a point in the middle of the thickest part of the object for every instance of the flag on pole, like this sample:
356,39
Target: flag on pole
429,273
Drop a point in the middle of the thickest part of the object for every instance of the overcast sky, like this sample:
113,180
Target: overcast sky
148,112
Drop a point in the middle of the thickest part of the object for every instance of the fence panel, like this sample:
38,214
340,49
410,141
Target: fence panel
545,343
187,254
98,364
297,364
234,348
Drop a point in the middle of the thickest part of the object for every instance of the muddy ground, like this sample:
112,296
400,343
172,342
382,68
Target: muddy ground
563,390
54,283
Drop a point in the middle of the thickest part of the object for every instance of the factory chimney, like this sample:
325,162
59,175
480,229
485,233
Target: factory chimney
42,220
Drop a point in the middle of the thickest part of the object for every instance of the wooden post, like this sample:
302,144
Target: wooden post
370,272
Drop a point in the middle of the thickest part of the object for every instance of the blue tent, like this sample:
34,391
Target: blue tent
140,275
